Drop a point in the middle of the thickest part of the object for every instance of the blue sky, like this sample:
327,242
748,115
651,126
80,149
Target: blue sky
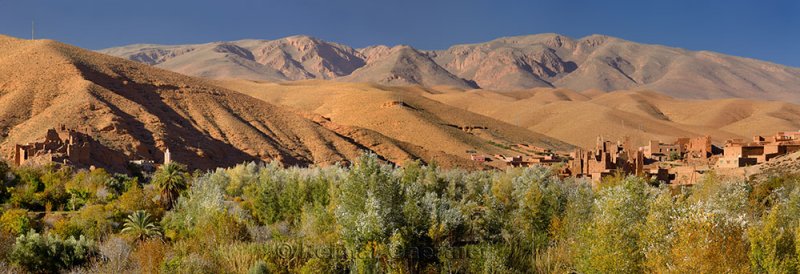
768,30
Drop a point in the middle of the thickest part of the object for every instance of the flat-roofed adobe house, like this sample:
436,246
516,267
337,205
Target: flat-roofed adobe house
739,153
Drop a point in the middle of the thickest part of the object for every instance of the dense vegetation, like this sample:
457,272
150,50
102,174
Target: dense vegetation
376,218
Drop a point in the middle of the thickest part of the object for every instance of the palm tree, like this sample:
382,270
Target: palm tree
171,179
140,225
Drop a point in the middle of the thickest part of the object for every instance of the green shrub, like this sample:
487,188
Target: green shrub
15,221
203,216
138,198
91,221
48,253
55,192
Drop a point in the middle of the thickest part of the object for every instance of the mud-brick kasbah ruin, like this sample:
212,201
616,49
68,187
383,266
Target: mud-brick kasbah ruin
683,161
62,145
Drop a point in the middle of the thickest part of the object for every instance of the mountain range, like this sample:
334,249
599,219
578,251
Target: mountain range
138,112
319,103
595,63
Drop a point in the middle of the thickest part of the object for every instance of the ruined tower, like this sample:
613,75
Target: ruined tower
167,157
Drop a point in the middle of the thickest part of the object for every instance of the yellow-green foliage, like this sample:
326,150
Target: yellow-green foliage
15,221
772,242
612,243
709,241
138,198
658,233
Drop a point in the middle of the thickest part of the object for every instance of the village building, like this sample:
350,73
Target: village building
687,174
544,159
150,165
167,157
684,148
606,159
683,162
698,148
480,158
740,153
662,152
515,161
688,160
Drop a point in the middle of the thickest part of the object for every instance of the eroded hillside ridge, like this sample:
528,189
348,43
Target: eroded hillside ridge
595,62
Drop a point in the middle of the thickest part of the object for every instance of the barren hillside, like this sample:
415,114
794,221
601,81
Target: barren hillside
139,111
579,118
401,113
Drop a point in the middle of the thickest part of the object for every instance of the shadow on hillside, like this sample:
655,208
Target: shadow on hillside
179,134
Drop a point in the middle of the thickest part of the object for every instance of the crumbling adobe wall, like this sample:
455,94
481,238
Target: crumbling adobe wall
71,147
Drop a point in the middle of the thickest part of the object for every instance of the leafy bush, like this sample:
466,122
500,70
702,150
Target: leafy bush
707,240
139,198
48,253
204,216
6,245
15,221
92,221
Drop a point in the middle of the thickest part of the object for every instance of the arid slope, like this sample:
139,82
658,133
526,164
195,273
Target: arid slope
401,113
579,118
139,111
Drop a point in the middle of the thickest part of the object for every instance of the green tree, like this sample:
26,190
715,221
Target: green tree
772,247
539,198
78,198
171,179
137,198
773,239
140,226
709,240
369,211
717,215
657,232
612,239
